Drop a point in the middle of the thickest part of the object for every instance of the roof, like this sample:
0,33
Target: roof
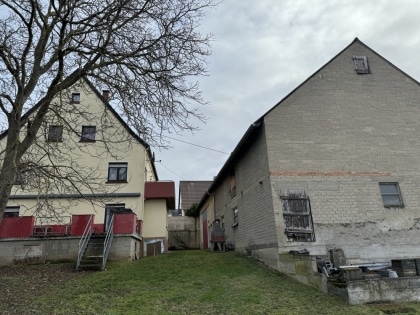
191,192
161,190
112,110
254,128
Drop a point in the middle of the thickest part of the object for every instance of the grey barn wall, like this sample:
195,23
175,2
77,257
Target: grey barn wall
337,137
256,229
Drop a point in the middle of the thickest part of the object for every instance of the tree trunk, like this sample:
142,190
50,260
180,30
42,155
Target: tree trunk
10,165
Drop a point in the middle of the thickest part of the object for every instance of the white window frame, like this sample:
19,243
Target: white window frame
235,216
75,98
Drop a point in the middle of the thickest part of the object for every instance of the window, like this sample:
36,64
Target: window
11,212
88,134
55,134
361,64
117,172
21,177
75,97
235,217
391,195
297,216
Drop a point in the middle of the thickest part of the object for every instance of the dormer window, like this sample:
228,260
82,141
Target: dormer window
75,98
361,64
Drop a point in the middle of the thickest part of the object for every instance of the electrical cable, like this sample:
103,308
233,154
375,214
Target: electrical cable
197,145
160,161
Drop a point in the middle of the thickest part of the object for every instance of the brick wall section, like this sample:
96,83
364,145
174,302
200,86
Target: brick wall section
336,137
256,230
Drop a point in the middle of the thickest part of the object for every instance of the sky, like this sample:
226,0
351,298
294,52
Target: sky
263,49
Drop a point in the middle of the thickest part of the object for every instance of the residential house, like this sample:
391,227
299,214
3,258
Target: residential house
332,171
83,138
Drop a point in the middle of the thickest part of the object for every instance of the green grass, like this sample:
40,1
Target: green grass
195,282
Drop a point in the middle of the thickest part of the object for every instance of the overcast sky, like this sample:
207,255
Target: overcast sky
264,49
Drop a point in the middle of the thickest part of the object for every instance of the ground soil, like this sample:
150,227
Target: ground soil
19,284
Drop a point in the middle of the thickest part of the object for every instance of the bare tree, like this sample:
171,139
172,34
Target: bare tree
146,52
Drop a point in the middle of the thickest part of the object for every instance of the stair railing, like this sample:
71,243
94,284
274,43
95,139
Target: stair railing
108,242
84,240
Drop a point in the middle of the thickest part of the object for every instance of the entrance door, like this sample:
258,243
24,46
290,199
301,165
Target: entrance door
111,209
154,249
205,231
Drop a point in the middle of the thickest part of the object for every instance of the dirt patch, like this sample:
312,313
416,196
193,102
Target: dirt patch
20,284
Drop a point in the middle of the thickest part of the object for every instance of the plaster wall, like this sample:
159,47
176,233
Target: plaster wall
155,219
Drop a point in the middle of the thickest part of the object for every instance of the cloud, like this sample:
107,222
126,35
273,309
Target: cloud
264,49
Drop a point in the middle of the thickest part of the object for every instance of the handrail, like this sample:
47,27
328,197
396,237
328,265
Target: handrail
84,240
43,225
108,242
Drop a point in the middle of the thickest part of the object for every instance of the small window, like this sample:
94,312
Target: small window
88,134
235,217
75,97
21,177
11,212
117,172
391,195
361,64
55,134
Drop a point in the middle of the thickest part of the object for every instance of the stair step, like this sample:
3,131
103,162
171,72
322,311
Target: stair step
93,254
91,260
96,241
93,257
90,267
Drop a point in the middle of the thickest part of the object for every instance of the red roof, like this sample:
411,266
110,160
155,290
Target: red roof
161,190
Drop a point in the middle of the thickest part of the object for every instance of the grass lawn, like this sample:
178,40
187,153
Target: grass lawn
193,282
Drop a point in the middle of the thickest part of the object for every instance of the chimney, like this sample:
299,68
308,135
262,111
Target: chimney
105,95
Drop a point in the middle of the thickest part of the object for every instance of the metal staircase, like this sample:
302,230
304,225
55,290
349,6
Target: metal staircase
94,248
93,255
